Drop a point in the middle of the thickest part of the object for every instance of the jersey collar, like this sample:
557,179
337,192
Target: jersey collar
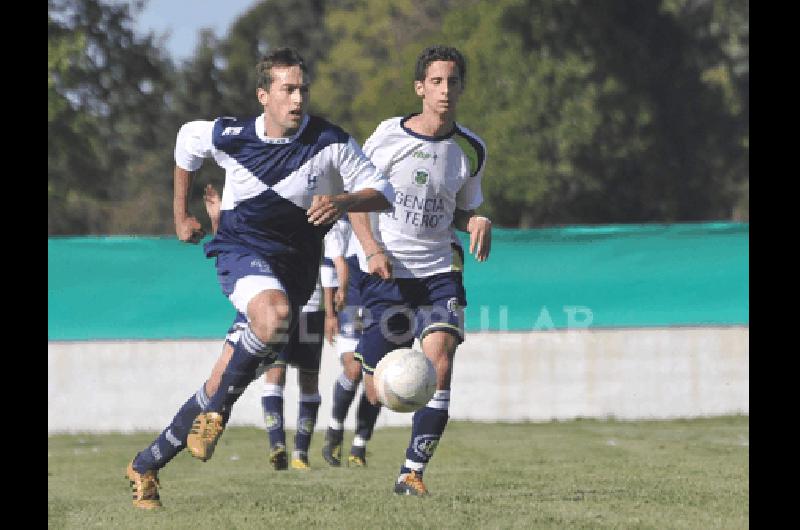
288,139
422,136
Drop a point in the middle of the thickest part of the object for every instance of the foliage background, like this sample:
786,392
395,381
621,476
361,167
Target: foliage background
622,111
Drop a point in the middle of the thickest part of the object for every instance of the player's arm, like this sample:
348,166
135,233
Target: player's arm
331,320
187,227
468,198
479,229
377,260
192,145
343,276
329,281
327,209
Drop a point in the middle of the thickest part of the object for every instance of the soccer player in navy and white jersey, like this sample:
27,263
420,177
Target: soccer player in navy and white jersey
415,287
288,177
317,319
346,384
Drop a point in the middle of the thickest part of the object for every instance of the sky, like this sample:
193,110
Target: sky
184,19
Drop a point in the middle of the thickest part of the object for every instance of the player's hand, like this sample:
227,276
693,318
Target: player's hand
380,265
188,229
340,299
325,209
480,237
331,327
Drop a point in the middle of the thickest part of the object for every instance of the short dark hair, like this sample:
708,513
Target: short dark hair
439,53
277,57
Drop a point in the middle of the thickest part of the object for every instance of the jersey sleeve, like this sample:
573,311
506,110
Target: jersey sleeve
359,173
376,151
193,144
470,195
327,274
335,243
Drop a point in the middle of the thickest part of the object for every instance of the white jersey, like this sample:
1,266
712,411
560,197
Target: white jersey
337,240
431,177
337,245
352,246
327,272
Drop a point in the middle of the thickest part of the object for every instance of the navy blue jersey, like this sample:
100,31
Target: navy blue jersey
270,183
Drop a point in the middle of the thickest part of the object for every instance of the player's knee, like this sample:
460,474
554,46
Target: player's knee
213,382
352,371
268,320
276,375
281,312
440,346
308,381
369,389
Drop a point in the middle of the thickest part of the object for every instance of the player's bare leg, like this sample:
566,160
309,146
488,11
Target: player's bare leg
142,472
268,321
430,421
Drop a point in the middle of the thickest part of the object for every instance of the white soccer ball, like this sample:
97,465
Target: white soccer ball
405,380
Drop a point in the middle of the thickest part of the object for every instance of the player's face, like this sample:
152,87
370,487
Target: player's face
441,87
286,102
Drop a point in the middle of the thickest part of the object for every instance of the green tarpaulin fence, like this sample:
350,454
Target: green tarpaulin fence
555,278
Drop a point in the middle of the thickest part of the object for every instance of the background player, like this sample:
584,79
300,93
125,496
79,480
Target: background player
346,384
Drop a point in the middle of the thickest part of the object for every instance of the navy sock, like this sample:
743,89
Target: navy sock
272,405
428,425
306,420
366,416
344,391
173,439
248,355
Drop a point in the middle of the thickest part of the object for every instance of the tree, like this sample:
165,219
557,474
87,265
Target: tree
265,26
368,72
593,112
598,112
107,92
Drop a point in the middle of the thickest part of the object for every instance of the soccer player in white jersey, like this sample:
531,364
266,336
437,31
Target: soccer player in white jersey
346,385
288,177
415,285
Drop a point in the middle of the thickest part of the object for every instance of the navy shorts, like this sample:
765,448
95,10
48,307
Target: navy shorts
397,311
242,275
304,349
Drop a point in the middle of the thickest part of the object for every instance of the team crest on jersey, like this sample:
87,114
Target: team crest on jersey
261,265
421,176
424,445
453,305
230,131
312,181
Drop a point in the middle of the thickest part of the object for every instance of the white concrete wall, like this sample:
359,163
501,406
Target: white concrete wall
536,376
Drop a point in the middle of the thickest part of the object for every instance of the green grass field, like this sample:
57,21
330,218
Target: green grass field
577,474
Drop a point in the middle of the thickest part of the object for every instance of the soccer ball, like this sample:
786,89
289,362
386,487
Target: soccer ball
405,380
